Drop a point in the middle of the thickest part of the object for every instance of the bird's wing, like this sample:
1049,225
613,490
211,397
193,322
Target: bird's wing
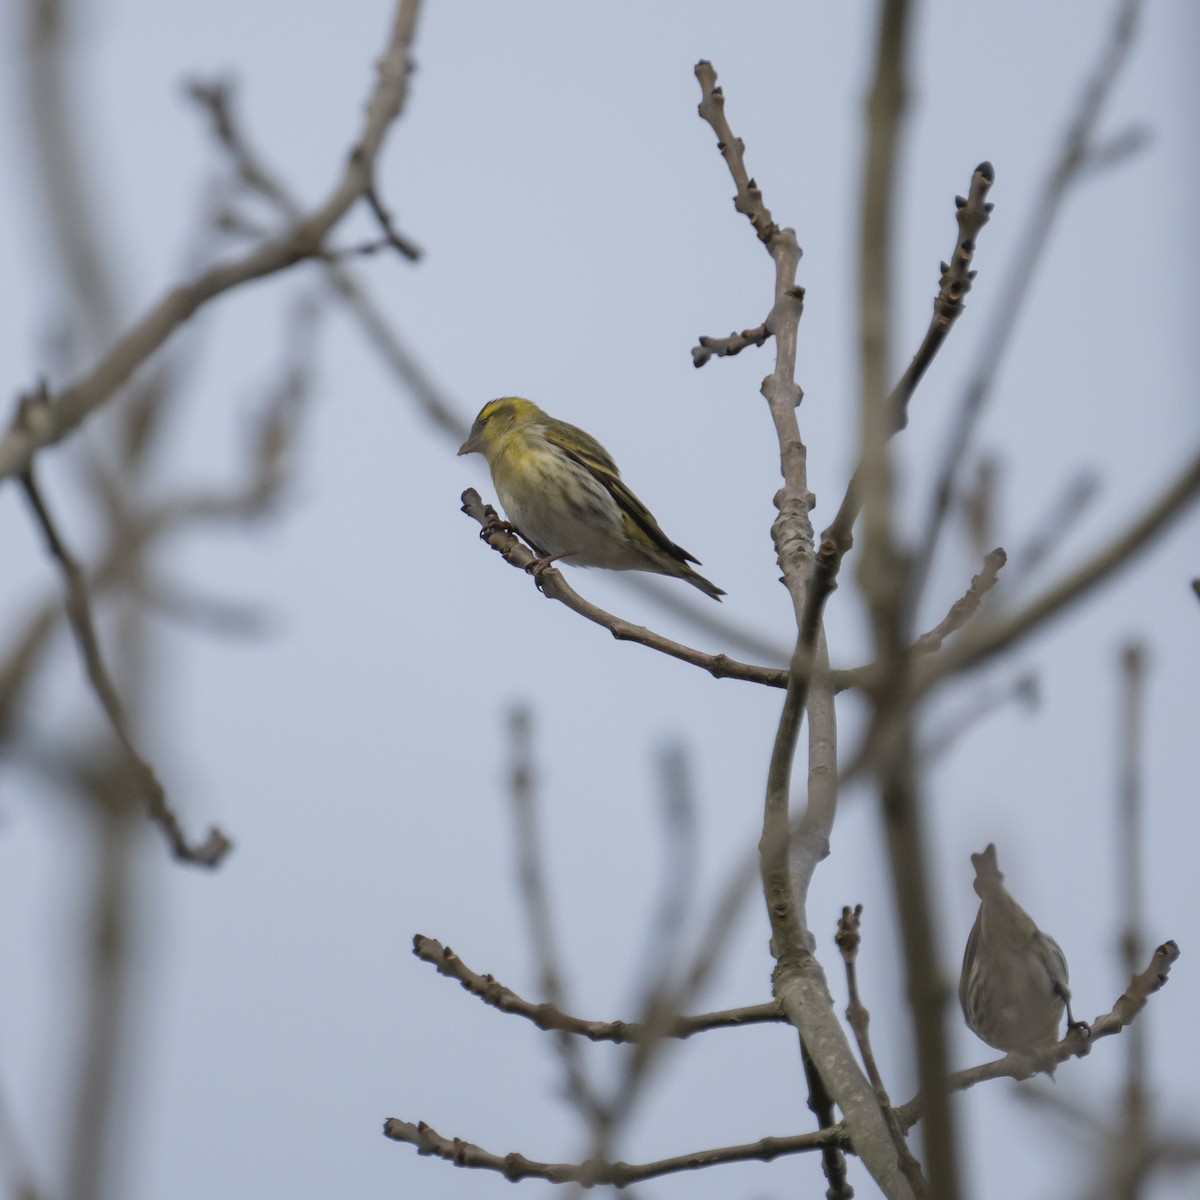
588,452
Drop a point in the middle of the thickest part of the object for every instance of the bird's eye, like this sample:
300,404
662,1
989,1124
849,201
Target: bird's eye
483,421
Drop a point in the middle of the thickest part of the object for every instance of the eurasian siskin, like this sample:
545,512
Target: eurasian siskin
563,492
1013,985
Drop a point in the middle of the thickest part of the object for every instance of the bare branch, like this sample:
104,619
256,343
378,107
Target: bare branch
799,981
735,343
515,1167
972,213
545,1016
402,245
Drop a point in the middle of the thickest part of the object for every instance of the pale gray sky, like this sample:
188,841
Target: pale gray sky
579,235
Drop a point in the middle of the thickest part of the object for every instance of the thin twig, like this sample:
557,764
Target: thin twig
727,347
208,853
545,1016
820,1104
394,238
848,941
972,214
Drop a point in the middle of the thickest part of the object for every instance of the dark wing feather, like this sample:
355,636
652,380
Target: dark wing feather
588,452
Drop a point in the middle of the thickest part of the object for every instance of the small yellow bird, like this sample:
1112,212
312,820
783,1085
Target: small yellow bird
564,494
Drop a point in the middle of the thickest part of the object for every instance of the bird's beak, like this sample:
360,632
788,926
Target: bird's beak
472,445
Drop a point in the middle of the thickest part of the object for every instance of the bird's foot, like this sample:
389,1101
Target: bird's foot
540,566
1072,1024
495,525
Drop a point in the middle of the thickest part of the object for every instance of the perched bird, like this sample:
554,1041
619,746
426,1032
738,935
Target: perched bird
1013,986
563,493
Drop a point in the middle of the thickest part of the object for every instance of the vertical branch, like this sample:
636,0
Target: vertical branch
660,1003
799,981
538,909
92,1169
881,576
1131,1173
848,940
68,199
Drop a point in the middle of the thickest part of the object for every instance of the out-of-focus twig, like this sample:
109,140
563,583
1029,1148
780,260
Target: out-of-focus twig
215,98
657,1007
1133,1162
539,909
305,240
16,1170
882,576
214,848
987,640
968,713
1051,530
110,785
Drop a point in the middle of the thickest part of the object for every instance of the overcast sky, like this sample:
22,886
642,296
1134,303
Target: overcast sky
578,236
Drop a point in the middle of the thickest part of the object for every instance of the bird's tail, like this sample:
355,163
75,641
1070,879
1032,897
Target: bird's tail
697,580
